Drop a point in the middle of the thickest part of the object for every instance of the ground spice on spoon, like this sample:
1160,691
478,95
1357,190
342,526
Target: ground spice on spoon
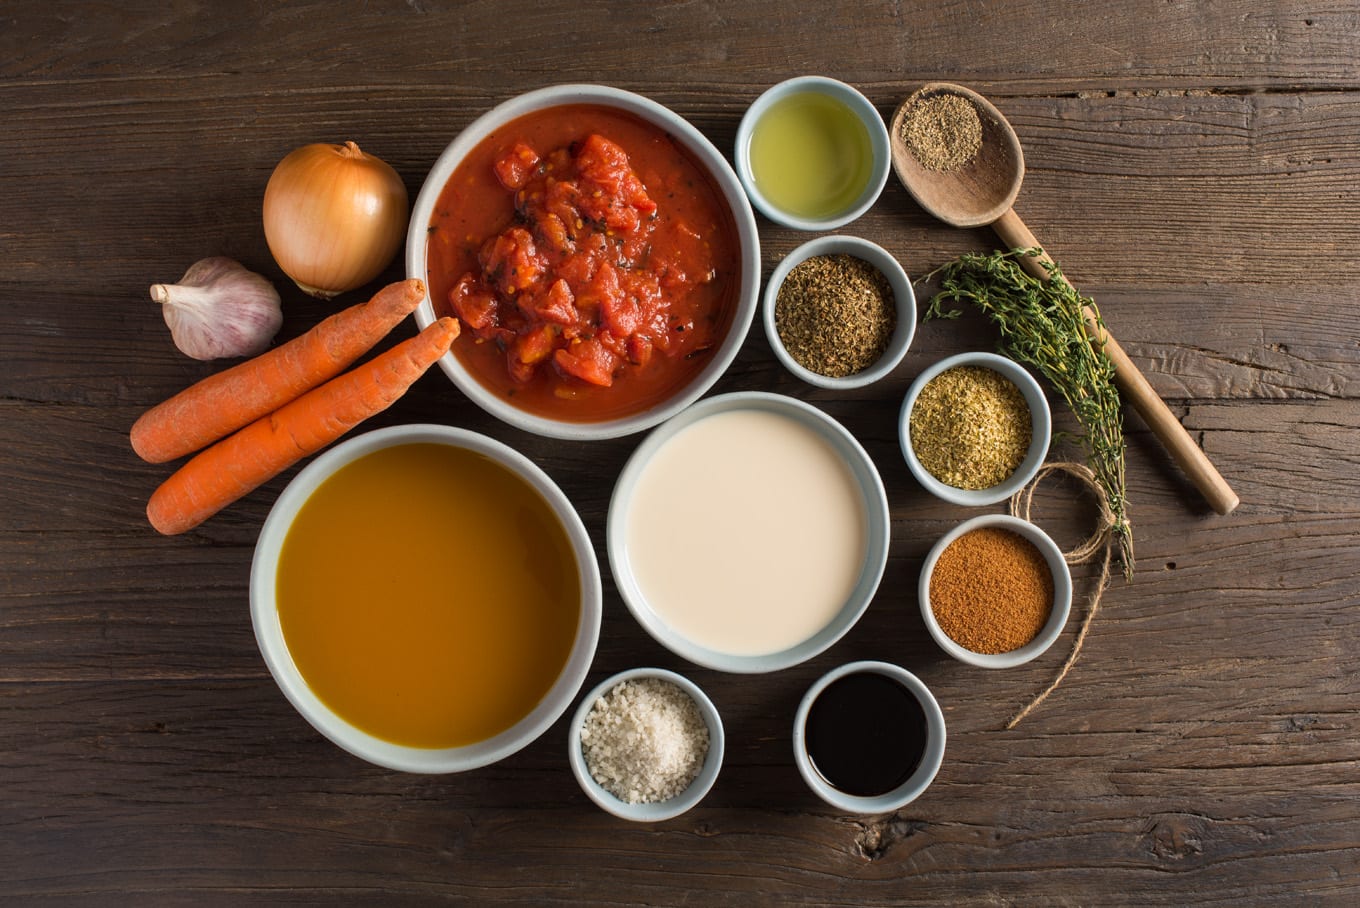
942,131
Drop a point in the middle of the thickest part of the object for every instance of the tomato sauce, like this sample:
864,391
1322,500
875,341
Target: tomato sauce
593,262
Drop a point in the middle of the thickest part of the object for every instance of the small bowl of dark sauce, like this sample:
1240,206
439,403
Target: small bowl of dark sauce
868,737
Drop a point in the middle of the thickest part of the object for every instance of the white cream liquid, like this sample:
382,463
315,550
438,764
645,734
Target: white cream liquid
746,532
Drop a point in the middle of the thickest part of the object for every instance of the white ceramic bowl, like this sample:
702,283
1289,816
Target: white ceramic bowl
903,297
685,135
1062,593
860,106
269,634
877,532
656,810
1041,429
903,794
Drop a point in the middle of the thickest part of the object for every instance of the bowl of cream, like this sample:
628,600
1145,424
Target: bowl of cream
749,533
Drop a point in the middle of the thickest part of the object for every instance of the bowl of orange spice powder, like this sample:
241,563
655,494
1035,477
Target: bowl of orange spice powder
995,591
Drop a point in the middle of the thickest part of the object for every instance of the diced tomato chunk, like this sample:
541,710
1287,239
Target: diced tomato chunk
516,166
639,349
577,269
619,315
553,236
618,309
520,372
561,198
512,261
587,360
611,193
476,308
606,164
534,347
558,306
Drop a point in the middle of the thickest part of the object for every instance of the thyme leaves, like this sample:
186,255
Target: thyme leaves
1042,325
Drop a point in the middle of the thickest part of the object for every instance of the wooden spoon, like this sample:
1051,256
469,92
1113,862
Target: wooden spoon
983,192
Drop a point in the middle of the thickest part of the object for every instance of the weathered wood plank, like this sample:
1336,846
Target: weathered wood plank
179,776
1139,44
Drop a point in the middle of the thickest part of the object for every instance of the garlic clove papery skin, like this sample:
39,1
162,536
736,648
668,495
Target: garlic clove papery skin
220,309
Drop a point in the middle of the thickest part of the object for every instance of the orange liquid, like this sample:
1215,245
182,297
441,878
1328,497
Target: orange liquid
428,595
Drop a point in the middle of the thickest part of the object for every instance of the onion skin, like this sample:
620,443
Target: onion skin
334,217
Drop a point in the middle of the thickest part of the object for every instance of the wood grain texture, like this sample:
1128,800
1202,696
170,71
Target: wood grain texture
1193,166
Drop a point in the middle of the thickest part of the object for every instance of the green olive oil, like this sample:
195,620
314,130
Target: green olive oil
810,155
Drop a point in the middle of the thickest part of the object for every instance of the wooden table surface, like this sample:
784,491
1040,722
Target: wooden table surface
1194,166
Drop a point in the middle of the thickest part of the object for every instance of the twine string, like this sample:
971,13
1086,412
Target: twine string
1100,542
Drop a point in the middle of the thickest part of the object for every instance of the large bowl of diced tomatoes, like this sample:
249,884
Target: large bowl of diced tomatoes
600,253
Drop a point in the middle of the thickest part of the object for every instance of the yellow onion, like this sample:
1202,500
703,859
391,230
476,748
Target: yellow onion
334,217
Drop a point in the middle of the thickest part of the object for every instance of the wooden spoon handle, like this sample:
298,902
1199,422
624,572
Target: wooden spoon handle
1133,385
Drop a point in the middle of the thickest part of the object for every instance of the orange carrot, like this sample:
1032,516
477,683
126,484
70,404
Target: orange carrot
242,462
223,403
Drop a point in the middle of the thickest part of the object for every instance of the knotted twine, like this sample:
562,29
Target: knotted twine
1100,542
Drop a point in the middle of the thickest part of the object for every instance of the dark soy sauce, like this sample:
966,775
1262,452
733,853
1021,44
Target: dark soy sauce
866,733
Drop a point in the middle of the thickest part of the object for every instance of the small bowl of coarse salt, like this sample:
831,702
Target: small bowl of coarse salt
839,312
646,744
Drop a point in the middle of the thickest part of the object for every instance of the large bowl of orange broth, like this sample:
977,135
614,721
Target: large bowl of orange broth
600,253
426,597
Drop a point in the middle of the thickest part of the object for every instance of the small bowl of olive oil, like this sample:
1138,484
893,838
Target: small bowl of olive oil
812,153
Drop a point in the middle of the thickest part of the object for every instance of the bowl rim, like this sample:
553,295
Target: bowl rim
1062,593
904,299
1041,429
698,146
860,105
274,649
915,785
878,532
656,810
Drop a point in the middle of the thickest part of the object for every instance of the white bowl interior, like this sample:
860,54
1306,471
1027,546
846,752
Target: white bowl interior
877,533
688,137
919,780
904,298
1041,426
269,633
1062,593
868,115
656,810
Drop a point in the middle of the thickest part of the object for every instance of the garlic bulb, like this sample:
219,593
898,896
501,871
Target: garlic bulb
220,309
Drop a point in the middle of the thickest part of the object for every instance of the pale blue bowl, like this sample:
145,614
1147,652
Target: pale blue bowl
860,106
656,810
1041,428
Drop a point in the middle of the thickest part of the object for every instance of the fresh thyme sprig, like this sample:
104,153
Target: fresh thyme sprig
1042,326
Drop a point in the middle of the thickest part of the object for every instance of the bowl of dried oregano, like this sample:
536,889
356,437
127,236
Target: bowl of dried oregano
975,428
839,312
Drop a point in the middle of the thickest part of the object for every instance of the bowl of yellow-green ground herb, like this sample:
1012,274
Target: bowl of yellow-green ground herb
975,428
839,312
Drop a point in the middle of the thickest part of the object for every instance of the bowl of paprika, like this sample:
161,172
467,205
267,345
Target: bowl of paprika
995,591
